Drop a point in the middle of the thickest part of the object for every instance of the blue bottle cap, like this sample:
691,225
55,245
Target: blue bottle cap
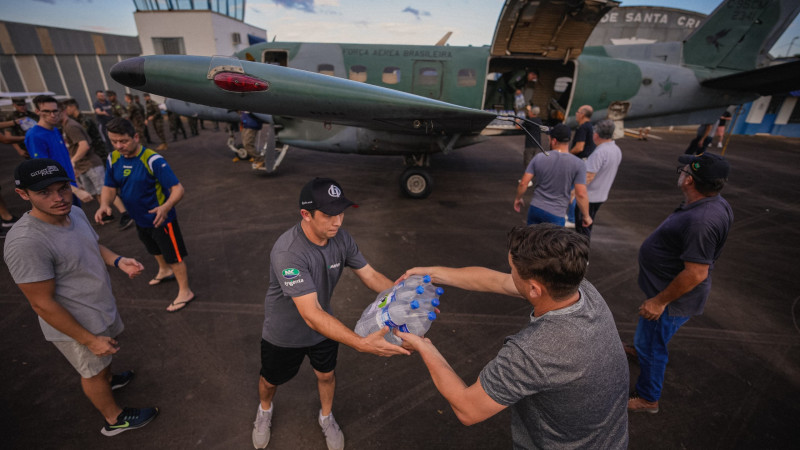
439,291
414,304
426,279
431,315
420,289
435,301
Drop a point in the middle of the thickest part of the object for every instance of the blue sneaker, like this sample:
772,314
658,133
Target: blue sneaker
121,380
130,419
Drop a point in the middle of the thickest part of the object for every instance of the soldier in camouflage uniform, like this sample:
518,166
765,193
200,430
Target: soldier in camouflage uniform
117,110
136,116
20,111
153,114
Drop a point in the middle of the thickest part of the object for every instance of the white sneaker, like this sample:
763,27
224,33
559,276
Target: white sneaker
333,434
719,144
261,428
569,224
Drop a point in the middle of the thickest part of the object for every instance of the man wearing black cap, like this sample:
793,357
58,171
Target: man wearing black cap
557,174
675,264
306,262
54,257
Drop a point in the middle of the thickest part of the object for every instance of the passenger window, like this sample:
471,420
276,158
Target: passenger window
466,77
325,69
428,76
391,75
358,73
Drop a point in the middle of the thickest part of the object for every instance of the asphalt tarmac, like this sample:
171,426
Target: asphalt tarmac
733,379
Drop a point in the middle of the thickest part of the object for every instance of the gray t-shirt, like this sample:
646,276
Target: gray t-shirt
37,251
603,162
565,376
299,267
555,175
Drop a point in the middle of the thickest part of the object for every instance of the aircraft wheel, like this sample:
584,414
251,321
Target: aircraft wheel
416,183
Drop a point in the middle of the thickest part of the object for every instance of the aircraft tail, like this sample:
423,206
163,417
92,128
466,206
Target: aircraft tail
738,34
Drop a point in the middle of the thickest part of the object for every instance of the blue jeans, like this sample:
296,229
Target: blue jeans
651,341
571,211
538,215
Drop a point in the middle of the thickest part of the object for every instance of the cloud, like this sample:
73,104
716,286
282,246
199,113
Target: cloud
416,12
302,5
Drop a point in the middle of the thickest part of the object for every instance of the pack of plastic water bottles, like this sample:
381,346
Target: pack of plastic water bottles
408,306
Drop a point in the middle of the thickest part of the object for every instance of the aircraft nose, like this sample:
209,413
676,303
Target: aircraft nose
129,72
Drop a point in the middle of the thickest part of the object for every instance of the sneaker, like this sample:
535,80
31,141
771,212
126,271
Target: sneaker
719,144
638,404
333,434
9,223
161,147
569,224
261,428
125,221
259,166
130,419
121,380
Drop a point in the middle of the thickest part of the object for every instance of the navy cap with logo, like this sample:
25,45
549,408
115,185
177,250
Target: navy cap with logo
560,133
325,195
707,167
37,174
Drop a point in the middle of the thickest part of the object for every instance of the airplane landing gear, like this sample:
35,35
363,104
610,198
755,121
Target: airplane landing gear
416,183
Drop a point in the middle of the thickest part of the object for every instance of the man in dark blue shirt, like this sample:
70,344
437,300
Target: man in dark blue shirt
675,264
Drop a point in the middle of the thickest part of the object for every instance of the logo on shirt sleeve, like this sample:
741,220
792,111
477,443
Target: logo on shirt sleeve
290,273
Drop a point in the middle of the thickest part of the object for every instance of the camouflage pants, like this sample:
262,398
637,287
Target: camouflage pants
158,125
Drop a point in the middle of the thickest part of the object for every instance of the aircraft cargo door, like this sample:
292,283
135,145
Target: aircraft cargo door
427,80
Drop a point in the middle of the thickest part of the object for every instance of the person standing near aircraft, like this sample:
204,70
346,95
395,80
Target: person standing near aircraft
583,142
16,129
150,191
251,125
54,256
721,125
557,173
601,169
701,140
45,141
117,110
675,265
564,374
153,115
306,263
533,135
103,113
135,115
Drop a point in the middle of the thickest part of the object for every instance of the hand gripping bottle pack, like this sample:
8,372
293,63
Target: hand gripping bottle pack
409,306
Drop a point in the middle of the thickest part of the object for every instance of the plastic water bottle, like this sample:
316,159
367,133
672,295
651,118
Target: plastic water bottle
408,318
367,324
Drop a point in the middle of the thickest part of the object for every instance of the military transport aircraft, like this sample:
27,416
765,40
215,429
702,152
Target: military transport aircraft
417,100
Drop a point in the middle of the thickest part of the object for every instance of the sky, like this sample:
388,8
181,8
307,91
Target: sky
355,21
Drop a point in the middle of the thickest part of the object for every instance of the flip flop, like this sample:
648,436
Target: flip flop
156,281
182,305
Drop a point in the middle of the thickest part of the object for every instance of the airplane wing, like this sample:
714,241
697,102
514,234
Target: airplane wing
234,84
769,80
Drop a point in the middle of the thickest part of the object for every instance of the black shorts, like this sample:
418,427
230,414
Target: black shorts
165,240
281,364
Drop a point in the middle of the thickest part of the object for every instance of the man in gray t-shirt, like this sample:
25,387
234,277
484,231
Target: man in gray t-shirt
564,375
54,257
306,262
557,173
601,169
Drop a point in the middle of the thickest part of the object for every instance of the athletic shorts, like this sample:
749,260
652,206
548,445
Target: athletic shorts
86,363
281,364
92,180
165,240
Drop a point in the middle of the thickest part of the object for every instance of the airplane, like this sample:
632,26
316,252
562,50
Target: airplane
413,100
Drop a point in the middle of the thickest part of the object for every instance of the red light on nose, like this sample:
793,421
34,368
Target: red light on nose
236,82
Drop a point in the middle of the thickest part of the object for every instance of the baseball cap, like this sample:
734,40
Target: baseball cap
18,101
37,174
707,167
560,133
325,195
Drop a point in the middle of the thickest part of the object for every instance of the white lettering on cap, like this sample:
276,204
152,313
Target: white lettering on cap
334,191
46,171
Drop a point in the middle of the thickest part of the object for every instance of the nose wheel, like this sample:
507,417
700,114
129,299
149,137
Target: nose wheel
416,183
